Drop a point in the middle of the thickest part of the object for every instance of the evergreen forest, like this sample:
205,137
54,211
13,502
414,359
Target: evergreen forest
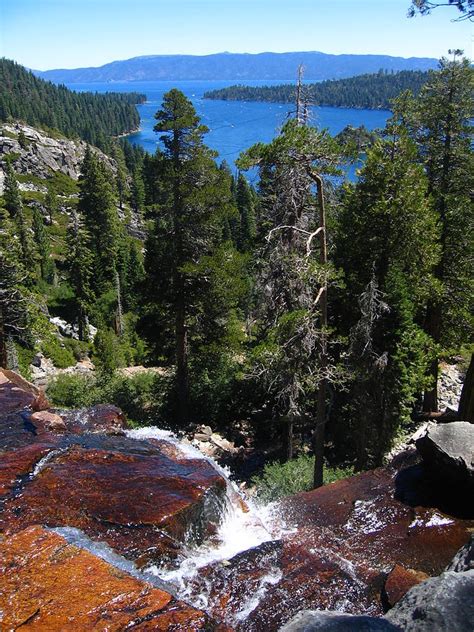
370,91
305,311
92,117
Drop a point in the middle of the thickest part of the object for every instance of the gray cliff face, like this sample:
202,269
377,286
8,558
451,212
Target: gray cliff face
43,154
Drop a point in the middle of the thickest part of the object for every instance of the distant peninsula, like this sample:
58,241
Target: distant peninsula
238,66
369,91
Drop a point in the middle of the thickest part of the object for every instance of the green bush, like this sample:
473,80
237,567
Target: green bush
72,391
283,479
79,348
134,395
58,353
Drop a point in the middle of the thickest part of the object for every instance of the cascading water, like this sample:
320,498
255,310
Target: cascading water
243,525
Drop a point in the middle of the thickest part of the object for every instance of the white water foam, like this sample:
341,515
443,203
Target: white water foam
43,462
435,521
243,526
270,579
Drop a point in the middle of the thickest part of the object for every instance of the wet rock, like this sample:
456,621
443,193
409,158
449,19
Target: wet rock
448,451
344,539
48,584
325,621
102,418
50,421
398,583
464,558
443,603
117,490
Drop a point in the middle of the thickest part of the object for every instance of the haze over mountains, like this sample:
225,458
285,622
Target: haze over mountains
237,66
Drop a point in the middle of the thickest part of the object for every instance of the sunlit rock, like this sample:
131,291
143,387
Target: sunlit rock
48,584
444,604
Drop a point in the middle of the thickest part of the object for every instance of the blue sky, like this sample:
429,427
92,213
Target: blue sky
44,34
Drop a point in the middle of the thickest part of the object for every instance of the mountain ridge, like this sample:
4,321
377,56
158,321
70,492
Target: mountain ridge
236,66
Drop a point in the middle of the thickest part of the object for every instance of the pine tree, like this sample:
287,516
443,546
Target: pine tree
14,205
13,312
97,207
80,265
121,183
51,203
246,206
137,193
42,244
293,276
441,124
386,247
194,196
11,194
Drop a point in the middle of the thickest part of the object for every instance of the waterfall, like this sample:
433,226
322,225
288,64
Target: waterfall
243,525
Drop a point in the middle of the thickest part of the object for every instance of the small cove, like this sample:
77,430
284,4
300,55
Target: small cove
233,125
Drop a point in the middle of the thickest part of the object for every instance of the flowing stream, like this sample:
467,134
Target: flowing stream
243,525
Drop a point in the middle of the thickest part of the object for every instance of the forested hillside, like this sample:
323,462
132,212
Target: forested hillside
298,315
370,91
92,117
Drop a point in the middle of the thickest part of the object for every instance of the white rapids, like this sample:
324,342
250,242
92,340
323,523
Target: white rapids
243,526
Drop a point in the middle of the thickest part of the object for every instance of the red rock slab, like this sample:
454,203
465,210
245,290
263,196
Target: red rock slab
17,393
49,585
102,418
348,537
399,581
12,397
19,463
140,503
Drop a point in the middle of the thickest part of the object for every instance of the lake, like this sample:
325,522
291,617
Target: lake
234,125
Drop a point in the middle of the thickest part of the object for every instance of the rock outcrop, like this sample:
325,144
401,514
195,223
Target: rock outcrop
448,451
345,539
42,153
464,558
444,604
48,584
325,621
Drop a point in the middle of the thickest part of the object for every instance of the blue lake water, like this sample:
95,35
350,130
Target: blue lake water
233,125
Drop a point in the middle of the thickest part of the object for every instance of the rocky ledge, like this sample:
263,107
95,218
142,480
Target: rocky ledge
43,154
73,483
49,584
78,470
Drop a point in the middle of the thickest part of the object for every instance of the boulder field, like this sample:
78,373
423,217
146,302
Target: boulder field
373,548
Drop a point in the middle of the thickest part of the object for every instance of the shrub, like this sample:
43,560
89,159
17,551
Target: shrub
72,391
283,479
60,355
134,395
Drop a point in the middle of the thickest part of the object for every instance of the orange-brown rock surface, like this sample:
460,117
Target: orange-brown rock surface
78,469
347,537
49,585
399,581
136,499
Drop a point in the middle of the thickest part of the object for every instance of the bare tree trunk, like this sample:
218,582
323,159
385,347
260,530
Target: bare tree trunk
466,404
119,328
3,344
319,431
290,437
182,377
